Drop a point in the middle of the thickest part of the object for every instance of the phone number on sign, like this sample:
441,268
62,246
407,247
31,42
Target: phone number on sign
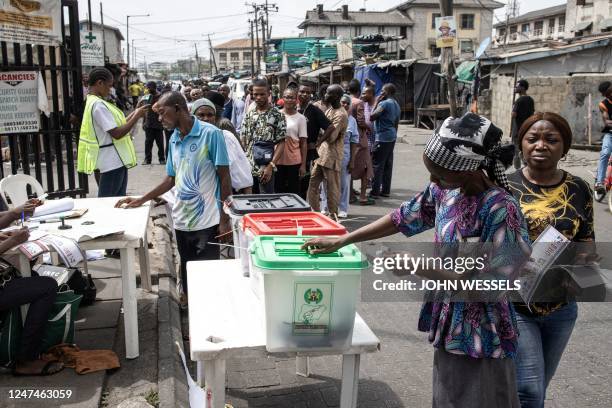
29,393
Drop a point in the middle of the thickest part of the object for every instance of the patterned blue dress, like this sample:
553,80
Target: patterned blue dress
476,329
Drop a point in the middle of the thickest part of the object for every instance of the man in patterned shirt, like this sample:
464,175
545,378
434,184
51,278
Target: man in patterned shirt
263,136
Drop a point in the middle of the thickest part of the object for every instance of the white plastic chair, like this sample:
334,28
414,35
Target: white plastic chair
14,187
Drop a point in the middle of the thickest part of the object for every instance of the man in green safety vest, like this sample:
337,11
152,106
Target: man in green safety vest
105,142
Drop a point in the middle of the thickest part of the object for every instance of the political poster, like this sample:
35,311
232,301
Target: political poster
19,103
446,32
92,53
31,22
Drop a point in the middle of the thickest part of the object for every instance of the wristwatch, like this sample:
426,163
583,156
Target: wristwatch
273,166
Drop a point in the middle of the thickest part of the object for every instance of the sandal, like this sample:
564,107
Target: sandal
51,367
369,201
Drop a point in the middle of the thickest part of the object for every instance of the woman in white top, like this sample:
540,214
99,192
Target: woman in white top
292,164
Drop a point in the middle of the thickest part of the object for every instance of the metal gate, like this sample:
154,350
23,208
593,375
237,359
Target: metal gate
50,154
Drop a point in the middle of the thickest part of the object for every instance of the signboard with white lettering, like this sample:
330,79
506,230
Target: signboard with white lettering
92,54
19,102
31,22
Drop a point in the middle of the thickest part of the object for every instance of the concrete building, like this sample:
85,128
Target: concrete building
112,38
538,25
474,23
585,17
345,24
233,55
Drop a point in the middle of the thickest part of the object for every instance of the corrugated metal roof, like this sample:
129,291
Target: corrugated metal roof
545,52
605,23
356,18
237,43
436,3
548,12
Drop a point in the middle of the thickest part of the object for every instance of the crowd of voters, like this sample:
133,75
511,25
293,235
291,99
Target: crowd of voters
487,354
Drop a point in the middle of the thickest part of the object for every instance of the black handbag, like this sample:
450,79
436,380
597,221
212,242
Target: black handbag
7,273
263,152
83,285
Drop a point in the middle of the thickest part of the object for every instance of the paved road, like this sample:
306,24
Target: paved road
400,374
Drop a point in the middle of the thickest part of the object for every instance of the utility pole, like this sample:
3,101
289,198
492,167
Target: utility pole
252,49
212,56
446,9
127,34
263,39
512,10
256,20
103,33
197,59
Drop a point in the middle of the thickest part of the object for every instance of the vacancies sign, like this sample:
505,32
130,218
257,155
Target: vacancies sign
19,102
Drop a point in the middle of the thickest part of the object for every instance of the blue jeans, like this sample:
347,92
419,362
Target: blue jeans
113,183
345,187
604,156
541,343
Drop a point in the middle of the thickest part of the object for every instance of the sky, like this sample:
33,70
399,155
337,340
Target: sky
175,28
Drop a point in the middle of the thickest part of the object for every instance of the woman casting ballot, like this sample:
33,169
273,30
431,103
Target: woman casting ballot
475,342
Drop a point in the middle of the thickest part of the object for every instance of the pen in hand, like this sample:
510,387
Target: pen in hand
22,219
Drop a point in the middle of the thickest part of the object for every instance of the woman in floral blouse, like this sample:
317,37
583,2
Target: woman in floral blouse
474,342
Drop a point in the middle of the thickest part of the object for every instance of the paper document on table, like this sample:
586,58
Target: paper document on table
545,251
54,206
197,396
56,216
87,233
67,249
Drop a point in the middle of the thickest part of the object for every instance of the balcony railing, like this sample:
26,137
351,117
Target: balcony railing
537,32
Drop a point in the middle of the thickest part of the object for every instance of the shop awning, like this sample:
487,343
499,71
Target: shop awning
584,25
605,24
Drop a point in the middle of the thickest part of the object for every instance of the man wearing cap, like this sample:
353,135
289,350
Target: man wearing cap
154,131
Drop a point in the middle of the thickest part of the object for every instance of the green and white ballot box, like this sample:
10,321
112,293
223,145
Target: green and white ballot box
309,299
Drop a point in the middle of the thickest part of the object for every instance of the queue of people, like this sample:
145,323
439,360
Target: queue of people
486,354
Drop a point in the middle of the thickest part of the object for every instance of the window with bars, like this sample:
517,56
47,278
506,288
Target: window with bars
538,28
234,56
434,51
467,21
357,31
466,46
332,31
381,29
551,26
433,19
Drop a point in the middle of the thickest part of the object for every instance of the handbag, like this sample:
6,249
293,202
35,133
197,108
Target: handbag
83,285
10,336
263,152
60,325
7,273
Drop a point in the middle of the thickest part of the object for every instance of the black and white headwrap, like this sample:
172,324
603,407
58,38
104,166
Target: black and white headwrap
470,143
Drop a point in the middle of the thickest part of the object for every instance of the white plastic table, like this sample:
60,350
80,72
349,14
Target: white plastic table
134,223
226,321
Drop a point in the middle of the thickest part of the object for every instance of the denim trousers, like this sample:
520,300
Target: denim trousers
604,156
113,183
345,187
541,343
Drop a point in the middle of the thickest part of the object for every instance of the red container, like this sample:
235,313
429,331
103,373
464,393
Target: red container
289,223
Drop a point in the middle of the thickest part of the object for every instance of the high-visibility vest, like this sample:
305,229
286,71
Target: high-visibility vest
89,146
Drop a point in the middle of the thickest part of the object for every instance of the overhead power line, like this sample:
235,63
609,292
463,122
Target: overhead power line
187,20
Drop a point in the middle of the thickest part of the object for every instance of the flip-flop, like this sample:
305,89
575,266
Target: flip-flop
46,370
369,201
